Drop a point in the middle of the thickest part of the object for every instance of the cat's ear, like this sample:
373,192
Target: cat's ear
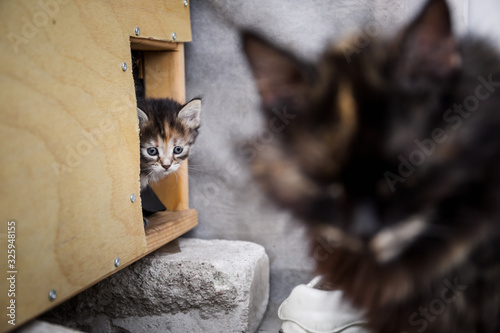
282,80
429,48
190,114
143,117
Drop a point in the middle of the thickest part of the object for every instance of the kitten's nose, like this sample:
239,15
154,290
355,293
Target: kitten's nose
166,166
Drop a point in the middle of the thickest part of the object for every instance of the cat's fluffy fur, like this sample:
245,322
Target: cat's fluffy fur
391,155
167,132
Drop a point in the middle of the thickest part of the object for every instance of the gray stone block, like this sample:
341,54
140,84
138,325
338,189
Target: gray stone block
37,326
207,286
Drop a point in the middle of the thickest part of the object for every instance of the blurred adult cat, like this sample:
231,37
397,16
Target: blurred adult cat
392,161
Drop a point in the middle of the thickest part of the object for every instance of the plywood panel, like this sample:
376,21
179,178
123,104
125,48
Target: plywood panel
69,141
164,77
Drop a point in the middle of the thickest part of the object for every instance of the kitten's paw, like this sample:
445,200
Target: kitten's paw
145,221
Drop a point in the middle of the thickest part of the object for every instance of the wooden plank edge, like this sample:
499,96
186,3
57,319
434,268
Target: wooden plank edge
169,225
150,44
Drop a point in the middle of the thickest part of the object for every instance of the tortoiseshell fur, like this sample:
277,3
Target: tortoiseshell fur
392,158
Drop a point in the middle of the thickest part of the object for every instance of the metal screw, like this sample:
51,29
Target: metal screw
52,295
132,197
137,31
185,3
117,262
174,36
124,66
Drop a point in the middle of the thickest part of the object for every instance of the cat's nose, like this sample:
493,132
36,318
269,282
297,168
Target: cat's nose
166,166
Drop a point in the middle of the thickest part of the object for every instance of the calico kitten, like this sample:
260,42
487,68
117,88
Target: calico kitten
391,155
167,132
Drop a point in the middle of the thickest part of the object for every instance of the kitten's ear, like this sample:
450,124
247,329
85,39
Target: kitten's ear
282,80
143,117
429,47
190,114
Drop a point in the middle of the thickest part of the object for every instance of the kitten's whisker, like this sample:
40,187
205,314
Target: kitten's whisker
204,171
193,168
182,172
203,165
176,177
193,163
191,179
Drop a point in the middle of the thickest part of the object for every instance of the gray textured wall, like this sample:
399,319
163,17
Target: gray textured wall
229,205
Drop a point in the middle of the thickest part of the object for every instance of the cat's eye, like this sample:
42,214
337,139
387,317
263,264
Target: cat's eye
152,151
177,150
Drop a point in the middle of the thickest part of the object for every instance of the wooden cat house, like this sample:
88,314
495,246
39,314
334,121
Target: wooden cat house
70,195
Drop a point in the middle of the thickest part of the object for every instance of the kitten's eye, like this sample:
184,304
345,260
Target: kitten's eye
177,150
152,151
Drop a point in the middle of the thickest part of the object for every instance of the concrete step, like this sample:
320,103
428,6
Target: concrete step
37,326
204,286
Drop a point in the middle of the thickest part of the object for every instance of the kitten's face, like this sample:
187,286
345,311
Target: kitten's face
167,131
162,156
348,162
